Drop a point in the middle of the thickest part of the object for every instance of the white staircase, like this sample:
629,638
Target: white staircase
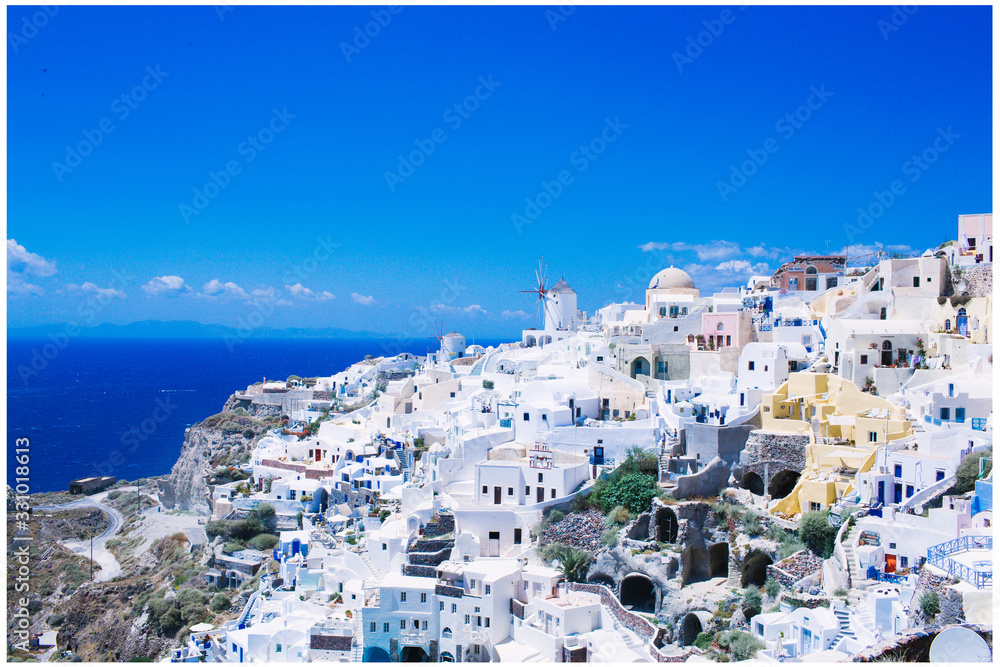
357,643
844,619
857,577
628,637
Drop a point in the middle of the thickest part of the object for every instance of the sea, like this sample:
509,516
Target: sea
106,406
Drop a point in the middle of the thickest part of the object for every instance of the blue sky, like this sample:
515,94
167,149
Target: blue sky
319,223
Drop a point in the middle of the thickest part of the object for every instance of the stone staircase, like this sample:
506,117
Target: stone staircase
404,466
844,620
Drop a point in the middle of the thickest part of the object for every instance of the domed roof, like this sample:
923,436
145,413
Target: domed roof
671,277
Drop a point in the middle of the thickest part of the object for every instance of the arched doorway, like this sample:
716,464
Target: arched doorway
755,569
782,484
667,521
413,654
638,593
718,558
887,353
962,322
690,629
376,654
447,657
753,482
640,366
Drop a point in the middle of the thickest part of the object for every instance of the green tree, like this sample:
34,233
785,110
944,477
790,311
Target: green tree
968,470
220,603
573,563
634,491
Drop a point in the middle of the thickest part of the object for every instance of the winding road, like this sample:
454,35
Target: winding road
110,568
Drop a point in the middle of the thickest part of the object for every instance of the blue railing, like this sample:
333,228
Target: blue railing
938,556
979,423
506,423
887,577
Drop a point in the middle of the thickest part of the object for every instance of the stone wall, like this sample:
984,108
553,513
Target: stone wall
796,567
951,600
635,623
978,280
767,454
914,645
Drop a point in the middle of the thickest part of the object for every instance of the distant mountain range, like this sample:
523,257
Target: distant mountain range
185,329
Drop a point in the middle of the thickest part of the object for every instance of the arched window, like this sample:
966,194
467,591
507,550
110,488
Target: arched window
663,311
947,325
811,283
684,310
811,270
886,345
720,326
446,633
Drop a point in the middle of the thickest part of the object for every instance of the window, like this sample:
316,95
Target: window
897,470
527,490
510,490
423,597
540,478
467,619
476,649
916,281
951,389
864,359
453,394
938,475
892,545
440,606
749,365
904,561
446,633
526,417
487,589
872,436
384,547
960,414
291,494
729,340
600,358
720,326
402,624
487,621
385,627
423,625
553,493
454,608
402,596
675,328
485,489
945,414
277,648
371,626
814,507
909,490
663,312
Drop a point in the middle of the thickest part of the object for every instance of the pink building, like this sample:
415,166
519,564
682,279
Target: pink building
726,329
975,236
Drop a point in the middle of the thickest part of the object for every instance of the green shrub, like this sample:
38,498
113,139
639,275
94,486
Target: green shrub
634,491
555,516
930,603
702,641
55,620
817,533
751,523
610,538
772,587
220,603
488,384
744,646
171,619
264,511
751,597
841,592
264,542
617,517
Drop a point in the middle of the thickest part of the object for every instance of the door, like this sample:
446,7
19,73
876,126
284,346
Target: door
494,543
496,495
886,353
881,492
962,322
890,562
539,495
898,493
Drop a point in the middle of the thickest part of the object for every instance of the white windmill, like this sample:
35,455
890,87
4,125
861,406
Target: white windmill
547,314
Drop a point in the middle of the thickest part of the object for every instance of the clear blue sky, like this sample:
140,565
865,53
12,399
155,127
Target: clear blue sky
443,237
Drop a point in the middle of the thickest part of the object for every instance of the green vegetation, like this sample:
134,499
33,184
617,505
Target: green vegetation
772,587
555,516
751,600
220,603
609,538
703,641
573,563
968,470
789,541
817,533
741,645
930,604
263,542
618,517
488,384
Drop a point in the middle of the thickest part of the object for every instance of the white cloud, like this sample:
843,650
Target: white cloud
16,285
742,267
19,260
216,287
654,245
169,285
102,292
474,308
299,291
512,314
363,300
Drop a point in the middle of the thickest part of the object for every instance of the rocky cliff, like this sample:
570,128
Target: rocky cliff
221,440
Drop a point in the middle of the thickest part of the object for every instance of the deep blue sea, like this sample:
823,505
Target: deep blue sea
120,406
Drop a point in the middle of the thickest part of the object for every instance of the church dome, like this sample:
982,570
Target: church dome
671,278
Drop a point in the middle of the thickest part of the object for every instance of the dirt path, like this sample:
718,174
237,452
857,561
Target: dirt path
110,567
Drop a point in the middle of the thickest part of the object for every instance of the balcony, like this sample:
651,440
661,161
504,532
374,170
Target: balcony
413,637
475,636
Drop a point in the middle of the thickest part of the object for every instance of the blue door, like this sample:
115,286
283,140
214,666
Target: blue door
881,492
898,493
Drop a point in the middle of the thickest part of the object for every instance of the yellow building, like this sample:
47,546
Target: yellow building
845,427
